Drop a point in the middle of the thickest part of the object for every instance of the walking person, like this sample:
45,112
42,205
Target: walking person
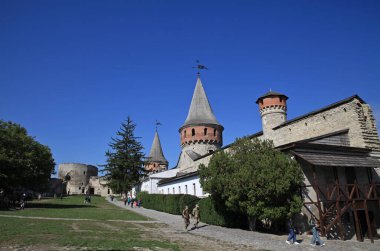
186,217
196,215
316,239
292,234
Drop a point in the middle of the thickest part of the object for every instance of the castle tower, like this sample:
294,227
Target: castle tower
273,108
156,159
201,133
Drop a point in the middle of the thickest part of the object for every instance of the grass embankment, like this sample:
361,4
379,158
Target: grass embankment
97,233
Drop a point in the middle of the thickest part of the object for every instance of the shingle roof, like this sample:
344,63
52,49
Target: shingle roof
200,111
156,154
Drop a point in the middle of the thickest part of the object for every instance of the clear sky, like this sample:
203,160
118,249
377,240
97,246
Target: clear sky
71,71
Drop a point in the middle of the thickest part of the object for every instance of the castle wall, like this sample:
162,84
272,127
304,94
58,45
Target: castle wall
188,185
186,162
353,115
79,176
99,184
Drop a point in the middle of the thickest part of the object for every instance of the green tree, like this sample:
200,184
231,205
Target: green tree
256,179
124,166
24,162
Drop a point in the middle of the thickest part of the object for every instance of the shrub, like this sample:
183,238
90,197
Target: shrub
214,214
211,213
168,203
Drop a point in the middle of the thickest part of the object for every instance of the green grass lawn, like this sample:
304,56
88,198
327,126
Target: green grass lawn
73,207
96,234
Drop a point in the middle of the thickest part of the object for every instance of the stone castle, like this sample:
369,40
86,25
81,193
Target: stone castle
337,146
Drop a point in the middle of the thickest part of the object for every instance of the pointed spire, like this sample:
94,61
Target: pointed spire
156,154
200,111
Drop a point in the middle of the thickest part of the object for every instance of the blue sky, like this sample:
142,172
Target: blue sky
71,71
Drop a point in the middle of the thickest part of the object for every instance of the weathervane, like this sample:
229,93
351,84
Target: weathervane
157,124
200,67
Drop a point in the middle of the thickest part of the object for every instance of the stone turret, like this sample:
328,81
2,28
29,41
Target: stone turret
201,133
156,159
273,108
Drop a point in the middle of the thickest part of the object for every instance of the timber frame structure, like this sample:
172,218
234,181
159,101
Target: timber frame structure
334,200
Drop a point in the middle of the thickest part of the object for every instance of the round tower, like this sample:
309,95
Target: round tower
201,133
273,108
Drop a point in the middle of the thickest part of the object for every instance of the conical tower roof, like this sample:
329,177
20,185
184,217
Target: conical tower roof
200,111
156,154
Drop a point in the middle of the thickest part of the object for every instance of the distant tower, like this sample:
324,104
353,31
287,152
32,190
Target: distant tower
201,133
156,160
273,108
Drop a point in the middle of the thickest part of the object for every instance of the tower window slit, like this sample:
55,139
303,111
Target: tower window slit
193,132
205,131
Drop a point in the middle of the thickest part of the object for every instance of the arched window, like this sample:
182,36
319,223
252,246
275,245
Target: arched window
214,132
184,133
193,132
205,131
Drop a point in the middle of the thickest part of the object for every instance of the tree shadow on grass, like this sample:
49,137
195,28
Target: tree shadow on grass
60,206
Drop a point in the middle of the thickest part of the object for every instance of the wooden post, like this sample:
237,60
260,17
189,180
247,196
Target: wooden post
369,226
358,231
338,212
321,217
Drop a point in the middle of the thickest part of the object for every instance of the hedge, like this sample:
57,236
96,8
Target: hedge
214,214
210,212
168,203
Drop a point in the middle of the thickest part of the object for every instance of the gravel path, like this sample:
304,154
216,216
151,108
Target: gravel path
250,239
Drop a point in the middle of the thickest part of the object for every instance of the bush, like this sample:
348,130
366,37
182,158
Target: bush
210,212
214,214
168,203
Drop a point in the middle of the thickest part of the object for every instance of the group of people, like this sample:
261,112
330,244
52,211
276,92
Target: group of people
132,201
195,214
315,240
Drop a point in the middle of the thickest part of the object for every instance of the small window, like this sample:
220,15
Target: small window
79,188
173,190
210,151
179,189
195,192
193,132
186,189
84,172
184,133
205,131
154,165
214,132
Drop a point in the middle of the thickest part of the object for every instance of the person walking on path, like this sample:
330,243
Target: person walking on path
196,215
316,239
292,235
186,216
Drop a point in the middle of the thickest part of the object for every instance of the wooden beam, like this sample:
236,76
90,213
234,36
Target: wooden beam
369,226
358,231
339,216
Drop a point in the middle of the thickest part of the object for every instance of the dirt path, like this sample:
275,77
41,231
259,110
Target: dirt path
208,237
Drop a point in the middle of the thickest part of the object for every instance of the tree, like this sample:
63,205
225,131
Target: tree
125,162
24,162
256,179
